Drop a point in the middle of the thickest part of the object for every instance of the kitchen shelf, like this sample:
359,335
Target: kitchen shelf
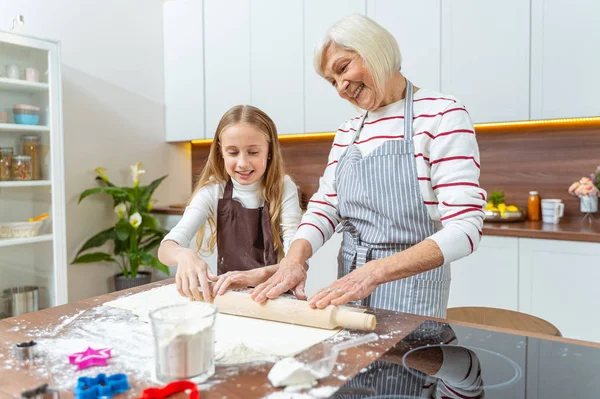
14,127
27,183
8,242
22,86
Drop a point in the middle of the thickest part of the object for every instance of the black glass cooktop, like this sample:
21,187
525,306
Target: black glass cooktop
440,360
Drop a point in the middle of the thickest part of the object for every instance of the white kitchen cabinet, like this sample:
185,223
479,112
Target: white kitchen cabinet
558,281
40,260
276,62
324,109
226,58
485,57
564,60
488,277
416,27
184,69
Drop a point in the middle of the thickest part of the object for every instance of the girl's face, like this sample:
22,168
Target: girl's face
346,71
245,150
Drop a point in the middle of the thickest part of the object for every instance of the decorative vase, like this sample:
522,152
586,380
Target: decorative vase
122,282
589,204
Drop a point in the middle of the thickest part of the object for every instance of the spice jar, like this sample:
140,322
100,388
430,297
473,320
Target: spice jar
533,206
21,167
6,158
30,148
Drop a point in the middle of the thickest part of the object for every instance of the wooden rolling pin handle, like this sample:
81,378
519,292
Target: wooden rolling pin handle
355,320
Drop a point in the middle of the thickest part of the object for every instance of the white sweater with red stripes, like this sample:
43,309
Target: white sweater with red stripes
447,158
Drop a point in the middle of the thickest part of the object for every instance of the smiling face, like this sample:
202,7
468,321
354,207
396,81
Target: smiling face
245,152
347,72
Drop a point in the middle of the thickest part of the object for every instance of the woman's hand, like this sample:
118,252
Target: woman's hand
242,279
290,275
192,270
358,284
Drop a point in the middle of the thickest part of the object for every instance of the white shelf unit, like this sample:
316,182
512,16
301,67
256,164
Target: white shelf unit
13,127
41,260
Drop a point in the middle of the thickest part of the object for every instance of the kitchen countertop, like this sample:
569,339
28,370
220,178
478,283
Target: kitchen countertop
231,381
567,229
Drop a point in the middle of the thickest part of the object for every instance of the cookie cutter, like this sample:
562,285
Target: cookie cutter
26,350
90,357
41,392
100,386
171,389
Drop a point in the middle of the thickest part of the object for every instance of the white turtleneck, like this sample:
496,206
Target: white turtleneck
205,203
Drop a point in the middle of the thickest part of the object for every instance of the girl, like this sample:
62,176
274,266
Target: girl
249,205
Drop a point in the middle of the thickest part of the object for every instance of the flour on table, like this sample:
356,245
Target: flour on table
238,339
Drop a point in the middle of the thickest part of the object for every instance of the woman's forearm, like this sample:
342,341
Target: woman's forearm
300,251
419,258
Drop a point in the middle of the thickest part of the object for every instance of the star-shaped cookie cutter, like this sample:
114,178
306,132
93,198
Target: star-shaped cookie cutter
90,357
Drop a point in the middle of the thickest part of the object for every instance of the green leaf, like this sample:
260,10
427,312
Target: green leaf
94,257
152,261
152,244
108,183
148,191
149,221
99,239
123,230
117,193
119,247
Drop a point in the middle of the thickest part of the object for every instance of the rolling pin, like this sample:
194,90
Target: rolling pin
293,311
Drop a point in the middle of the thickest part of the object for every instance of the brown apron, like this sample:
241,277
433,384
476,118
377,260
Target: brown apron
244,237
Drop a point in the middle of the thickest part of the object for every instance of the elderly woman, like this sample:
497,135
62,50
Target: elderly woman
401,184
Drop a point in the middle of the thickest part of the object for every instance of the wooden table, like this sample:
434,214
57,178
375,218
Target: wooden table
235,382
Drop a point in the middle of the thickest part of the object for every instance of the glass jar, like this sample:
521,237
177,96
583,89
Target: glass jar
6,159
31,149
21,167
533,206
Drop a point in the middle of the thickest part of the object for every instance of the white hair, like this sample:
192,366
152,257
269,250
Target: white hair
373,43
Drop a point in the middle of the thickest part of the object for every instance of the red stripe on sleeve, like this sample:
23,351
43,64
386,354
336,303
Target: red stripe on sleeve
462,183
331,195
346,131
470,242
454,159
482,196
332,162
434,99
326,217
424,178
380,137
387,118
316,227
463,205
440,113
323,203
421,155
460,213
430,202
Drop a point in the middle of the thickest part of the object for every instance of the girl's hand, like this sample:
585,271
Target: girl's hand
290,275
242,279
358,284
192,270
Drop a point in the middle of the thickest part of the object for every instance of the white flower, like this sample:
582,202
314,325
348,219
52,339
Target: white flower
120,210
136,171
135,220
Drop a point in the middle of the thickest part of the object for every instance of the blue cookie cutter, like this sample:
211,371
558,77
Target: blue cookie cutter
100,386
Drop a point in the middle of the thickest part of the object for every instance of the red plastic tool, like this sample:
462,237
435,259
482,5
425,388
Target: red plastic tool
171,389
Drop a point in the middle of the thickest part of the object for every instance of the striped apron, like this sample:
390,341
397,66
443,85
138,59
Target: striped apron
383,213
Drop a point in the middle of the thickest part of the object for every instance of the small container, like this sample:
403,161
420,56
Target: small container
534,206
6,159
184,341
31,146
21,300
21,167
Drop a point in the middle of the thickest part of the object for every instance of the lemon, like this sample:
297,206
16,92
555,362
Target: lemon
512,208
490,206
502,207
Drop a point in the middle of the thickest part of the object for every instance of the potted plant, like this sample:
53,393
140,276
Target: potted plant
135,234
587,189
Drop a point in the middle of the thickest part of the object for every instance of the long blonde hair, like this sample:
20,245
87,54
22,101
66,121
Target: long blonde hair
271,188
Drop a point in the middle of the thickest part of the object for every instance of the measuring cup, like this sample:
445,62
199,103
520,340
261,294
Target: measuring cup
324,366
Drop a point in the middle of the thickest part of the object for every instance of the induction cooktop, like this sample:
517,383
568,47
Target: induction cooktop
439,360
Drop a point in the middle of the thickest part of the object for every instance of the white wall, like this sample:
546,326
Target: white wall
112,72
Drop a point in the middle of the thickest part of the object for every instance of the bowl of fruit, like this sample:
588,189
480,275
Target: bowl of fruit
497,210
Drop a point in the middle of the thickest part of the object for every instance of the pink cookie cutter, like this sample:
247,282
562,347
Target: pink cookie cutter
90,357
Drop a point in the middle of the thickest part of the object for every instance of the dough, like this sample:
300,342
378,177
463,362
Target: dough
269,338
